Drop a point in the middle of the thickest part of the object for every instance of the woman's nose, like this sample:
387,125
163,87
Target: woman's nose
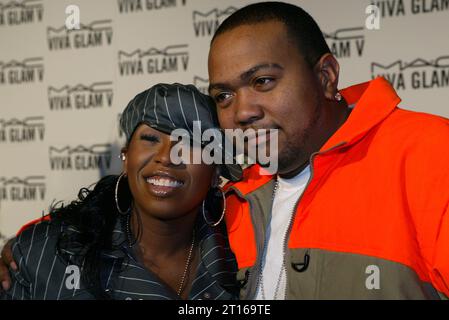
163,154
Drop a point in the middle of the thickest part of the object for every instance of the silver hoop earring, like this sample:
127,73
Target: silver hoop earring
214,224
116,196
338,96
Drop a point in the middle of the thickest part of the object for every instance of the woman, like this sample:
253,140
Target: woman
153,232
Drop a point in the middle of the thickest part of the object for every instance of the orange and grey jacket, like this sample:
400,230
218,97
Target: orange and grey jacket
373,221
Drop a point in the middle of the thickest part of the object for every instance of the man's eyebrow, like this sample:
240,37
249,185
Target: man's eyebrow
217,86
247,74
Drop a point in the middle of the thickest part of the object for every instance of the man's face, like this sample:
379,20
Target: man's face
259,80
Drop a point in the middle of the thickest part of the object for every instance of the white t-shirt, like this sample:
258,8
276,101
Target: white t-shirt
273,273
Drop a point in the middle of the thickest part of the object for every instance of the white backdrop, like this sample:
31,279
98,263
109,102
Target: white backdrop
61,91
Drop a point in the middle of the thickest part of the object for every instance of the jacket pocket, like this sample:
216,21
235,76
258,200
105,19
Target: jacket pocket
302,275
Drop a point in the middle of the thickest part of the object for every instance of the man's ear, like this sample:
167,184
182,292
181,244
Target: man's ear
328,71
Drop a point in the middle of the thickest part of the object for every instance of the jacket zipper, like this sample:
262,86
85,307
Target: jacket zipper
292,216
258,268
290,225
262,245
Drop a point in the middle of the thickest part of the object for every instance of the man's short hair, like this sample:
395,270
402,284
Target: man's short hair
301,27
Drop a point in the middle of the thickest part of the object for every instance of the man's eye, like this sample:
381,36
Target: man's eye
222,97
149,137
263,81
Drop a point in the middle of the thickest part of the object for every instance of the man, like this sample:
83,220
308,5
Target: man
361,196
359,207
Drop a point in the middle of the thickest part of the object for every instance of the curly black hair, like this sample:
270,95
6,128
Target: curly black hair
88,224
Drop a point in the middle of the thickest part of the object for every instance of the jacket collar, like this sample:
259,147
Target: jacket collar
253,178
373,101
205,235
216,269
212,243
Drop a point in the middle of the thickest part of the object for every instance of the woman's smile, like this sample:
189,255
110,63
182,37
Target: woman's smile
163,185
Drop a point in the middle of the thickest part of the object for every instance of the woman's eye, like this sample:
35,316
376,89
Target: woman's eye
149,137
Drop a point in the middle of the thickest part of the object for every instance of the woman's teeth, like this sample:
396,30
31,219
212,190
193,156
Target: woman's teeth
164,182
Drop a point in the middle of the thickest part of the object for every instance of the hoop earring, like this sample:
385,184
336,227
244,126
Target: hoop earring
214,224
116,196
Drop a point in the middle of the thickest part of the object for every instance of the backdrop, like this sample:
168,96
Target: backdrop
61,91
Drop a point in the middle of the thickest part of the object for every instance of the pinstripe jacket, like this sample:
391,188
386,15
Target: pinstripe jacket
44,275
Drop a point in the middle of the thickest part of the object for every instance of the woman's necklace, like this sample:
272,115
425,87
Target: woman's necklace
189,257
187,267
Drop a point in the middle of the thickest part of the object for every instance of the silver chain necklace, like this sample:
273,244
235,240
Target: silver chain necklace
189,257
187,267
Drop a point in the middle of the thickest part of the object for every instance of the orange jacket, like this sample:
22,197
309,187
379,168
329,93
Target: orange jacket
379,189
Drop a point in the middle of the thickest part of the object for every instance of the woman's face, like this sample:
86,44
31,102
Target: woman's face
159,187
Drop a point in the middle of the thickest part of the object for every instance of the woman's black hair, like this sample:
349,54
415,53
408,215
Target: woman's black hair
87,230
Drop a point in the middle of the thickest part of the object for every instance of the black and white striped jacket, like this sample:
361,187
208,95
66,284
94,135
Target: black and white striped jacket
44,275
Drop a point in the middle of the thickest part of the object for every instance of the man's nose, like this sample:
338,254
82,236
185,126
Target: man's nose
247,109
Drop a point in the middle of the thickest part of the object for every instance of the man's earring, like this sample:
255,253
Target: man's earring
338,96
122,156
